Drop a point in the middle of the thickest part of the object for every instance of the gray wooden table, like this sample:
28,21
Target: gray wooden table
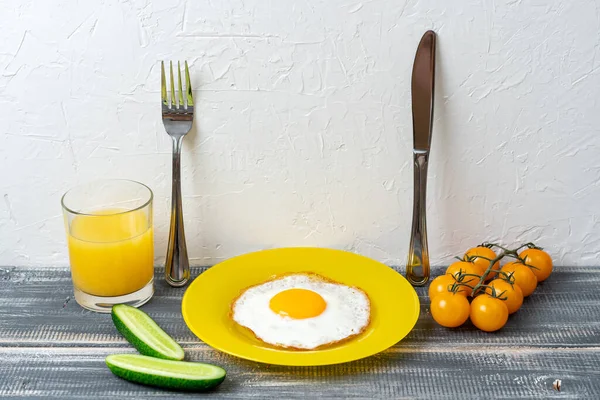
49,346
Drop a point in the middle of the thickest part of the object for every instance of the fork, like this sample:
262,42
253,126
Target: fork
177,118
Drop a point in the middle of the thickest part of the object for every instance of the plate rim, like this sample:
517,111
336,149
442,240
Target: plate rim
417,308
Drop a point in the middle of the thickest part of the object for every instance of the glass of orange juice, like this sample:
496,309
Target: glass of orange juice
110,239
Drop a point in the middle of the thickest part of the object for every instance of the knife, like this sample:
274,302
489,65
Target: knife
422,87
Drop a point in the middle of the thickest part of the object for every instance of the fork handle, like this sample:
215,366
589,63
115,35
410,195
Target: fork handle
177,264
417,266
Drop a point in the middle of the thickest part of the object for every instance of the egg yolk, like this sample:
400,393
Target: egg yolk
298,303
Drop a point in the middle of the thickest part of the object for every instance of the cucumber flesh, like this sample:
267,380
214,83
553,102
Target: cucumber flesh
177,375
144,334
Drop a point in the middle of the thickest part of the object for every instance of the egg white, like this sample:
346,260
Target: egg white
347,313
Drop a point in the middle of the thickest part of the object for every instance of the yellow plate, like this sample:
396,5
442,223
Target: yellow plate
206,303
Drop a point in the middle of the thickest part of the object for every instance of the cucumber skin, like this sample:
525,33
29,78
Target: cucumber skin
142,347
165,382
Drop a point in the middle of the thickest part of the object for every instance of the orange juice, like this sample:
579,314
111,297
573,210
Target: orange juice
111,252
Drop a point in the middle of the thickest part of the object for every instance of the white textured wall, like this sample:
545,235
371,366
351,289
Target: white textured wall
303,134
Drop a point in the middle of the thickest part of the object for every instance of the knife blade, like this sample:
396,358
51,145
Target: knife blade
422,88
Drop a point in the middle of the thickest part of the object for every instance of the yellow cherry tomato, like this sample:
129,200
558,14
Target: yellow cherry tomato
450,309
488,313
459,268
441,284
481,256
523,275
512,292
539,261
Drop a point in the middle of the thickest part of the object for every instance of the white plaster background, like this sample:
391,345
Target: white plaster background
303,134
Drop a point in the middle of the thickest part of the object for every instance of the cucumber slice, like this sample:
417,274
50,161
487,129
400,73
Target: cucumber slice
144,334
178,375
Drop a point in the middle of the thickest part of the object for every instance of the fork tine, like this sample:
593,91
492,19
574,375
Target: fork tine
163,84
173,99
180,89
188,87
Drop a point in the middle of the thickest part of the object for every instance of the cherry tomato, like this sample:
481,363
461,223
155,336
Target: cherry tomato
480,268
488,313
524,276
463,267
441,285
539,261
450,309
512,292
482,257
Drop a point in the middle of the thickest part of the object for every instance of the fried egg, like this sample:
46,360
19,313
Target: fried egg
302,311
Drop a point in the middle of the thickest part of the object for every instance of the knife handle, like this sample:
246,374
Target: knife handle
417,266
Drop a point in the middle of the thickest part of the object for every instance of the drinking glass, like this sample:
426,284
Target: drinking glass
110,240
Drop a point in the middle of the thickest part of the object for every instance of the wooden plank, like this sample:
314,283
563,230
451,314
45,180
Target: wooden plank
399,373
563,312
52,348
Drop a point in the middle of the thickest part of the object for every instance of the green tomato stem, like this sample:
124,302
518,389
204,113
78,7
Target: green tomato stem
505,253
490,267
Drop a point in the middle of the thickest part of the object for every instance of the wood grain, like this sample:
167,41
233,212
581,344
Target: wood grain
397,373
50,346
563,312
